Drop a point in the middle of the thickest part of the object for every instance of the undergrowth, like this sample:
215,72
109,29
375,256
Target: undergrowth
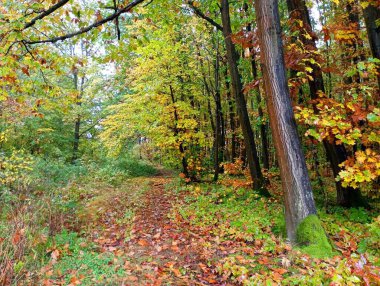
247,243
45,200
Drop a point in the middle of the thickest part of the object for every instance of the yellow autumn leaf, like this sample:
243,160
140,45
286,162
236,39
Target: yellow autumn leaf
364,4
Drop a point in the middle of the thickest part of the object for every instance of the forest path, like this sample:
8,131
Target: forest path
159,251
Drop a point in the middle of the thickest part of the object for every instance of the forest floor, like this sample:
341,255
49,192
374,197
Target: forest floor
159,251
147,247
155,231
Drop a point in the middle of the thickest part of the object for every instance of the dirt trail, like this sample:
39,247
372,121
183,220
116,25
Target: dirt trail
159,253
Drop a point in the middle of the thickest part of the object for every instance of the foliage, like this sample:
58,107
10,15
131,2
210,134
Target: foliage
84,121
14,170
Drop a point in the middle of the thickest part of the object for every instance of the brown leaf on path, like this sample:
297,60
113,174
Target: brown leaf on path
143,242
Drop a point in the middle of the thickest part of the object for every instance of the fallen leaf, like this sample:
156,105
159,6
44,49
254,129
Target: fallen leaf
143,242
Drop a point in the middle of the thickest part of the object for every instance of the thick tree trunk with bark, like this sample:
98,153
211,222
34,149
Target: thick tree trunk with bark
299,202
237,89
336,154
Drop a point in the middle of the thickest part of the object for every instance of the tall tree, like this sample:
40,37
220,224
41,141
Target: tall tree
263,124
78,102
237,89
299,202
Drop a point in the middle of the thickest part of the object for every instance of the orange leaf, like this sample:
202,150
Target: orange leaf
280,270
176,272
143,242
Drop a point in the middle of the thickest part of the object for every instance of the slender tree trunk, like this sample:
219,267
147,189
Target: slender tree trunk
237,87
353,22
78,119
210,115
218,119
263,126
371,16
231,113
176,133
336,154
299,202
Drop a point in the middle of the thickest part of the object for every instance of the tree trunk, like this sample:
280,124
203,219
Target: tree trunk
218,120
336,154
263,127
176,133
371,15
299,202
237,88
78,119
353,22
231,113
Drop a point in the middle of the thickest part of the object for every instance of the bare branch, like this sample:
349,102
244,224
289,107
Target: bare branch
200,14
89,28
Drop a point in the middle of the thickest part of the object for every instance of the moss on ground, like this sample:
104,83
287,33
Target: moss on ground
312,238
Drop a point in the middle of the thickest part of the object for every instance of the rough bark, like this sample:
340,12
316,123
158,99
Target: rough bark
299,202
237,88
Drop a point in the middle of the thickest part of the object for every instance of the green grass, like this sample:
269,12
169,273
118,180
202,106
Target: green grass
81,259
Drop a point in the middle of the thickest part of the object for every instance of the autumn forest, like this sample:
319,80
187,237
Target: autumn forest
178,142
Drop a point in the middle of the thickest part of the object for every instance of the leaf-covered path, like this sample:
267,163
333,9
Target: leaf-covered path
158,252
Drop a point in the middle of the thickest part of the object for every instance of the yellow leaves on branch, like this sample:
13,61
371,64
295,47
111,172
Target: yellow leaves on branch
14,167
363,167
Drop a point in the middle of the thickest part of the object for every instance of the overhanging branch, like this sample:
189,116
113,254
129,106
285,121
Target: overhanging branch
45,13
90,27
200,14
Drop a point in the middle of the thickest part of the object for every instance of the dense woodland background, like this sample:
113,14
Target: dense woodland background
265,112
